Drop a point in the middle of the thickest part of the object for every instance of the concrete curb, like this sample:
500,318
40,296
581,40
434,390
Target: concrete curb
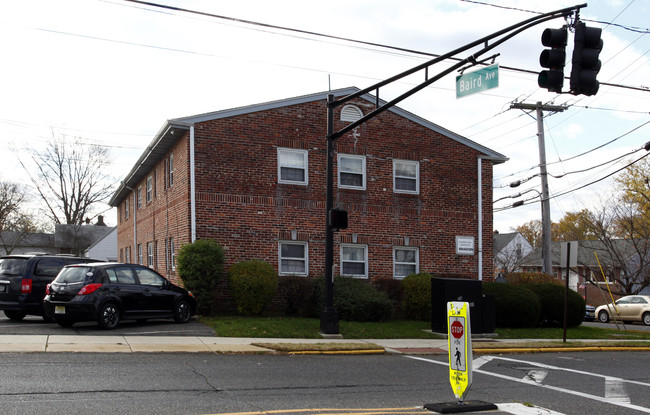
222,345
559,349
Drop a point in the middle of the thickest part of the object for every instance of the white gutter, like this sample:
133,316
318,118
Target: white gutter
192,187
135,227
480,219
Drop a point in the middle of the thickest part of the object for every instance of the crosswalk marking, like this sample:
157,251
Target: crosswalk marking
535,376
551,387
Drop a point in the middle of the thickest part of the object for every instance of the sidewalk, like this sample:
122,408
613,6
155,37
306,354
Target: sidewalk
189,344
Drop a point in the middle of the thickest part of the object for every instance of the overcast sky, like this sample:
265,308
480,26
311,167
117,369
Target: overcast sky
112,71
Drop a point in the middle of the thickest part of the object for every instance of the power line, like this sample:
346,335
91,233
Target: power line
626,27
580,187
340,38
570,158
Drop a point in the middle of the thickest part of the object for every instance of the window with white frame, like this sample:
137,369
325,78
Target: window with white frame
406,176
140,259
292,166
294,258
149,189
354,260
139,196
126,208
150,254
127,255
405,261
171,255
352,171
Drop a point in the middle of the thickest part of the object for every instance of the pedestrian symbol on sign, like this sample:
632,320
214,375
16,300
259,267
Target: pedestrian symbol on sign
457,343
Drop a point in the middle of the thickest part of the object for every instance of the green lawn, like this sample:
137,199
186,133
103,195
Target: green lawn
308,328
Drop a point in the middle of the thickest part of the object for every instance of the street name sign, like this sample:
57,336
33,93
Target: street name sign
477,81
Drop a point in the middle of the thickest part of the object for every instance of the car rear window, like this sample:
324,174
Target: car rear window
12,266
48,267
74,274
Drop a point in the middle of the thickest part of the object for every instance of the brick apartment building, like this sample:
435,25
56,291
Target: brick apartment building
254,178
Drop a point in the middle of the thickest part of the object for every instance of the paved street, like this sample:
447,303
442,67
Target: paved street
209,383
143,368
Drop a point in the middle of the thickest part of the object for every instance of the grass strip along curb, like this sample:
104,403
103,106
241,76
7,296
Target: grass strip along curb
323,348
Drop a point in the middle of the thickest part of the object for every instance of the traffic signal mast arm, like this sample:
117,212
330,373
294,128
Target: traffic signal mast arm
506,34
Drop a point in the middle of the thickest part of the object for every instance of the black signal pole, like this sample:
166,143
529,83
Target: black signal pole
329,323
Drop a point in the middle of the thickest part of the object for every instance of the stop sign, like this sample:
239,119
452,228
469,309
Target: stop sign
456,329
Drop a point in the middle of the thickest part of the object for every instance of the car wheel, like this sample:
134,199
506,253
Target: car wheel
646,318
63,322
182,312
108,317
15,315
603,317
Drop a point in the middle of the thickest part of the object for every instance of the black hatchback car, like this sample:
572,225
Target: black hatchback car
111,292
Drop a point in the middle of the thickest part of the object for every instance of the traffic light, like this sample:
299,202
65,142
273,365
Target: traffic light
553,59
338,219
586,65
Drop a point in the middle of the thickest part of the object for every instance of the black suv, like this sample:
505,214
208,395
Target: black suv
23,279
110,292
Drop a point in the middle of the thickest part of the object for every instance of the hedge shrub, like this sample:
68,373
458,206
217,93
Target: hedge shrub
354,300
530,278
253,284
200,266
551,297
417,296
515,306
298,292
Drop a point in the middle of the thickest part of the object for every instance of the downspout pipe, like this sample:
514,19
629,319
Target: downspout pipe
135,219
192,187
480,218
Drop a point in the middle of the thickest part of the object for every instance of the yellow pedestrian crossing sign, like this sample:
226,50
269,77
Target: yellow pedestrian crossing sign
459,335
460,348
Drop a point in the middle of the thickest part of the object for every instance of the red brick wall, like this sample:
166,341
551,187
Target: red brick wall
241,203
166,216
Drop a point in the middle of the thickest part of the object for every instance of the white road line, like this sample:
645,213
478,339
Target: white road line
615,390
580,372
535,376
550,387
480,361
521,409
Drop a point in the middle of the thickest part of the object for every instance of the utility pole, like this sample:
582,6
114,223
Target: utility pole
547,265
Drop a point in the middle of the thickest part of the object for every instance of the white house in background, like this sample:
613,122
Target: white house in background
105,248
509,250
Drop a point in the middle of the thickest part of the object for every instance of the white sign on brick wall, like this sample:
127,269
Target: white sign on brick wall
464,245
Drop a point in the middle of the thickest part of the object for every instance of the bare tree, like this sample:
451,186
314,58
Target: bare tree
15,222
72,180
623,242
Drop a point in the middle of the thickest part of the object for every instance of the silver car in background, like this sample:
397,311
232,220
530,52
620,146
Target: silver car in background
629,308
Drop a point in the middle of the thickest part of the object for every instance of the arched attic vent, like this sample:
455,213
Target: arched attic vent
350,113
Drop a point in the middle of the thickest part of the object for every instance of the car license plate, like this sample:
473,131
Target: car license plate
59,309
